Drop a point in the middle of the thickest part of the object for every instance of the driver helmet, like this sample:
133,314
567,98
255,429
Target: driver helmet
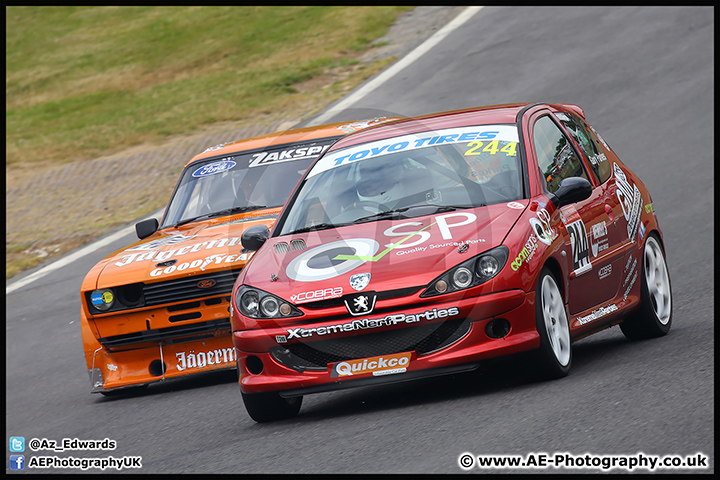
380,181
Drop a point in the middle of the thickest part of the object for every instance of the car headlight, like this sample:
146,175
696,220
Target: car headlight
249,303
269,306
102,300
487,266
462,277
115,299
472,272
256,303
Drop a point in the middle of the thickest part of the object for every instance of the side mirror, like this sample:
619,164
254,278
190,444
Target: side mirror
146,228
571,190
254,237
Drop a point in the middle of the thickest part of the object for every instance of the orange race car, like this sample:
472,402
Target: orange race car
158,309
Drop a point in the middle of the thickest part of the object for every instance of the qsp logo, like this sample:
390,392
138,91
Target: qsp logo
361,304
336,258
542,228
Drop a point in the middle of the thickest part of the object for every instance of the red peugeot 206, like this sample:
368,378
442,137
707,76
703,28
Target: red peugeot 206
428,244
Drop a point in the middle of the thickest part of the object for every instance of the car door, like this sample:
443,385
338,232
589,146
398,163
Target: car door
614,238
588,231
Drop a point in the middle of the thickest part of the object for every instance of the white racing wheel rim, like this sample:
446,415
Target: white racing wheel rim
555,319
657,280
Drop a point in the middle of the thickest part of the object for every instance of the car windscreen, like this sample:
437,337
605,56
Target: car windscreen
409,175
242,181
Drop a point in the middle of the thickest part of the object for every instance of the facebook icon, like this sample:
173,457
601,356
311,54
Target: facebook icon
17,462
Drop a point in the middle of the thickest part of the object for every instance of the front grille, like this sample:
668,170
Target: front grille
183,306
339,302
187,288
195,329
422,338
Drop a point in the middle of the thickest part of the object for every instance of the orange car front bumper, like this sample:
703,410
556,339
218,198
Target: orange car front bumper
154,362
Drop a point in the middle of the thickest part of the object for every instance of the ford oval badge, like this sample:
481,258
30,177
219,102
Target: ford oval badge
207,283
213,168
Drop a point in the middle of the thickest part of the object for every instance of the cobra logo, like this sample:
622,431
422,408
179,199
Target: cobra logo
207,283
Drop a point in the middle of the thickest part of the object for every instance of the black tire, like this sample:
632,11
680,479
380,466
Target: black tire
269,407
654,317
554,357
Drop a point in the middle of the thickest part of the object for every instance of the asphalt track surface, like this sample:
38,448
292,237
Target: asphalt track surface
646,81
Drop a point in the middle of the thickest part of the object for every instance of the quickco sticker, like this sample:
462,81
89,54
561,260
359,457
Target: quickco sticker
382,365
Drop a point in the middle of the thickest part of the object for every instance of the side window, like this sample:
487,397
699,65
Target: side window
556,158
585,136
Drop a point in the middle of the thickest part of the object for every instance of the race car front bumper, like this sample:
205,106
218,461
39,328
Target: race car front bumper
113,370
268,360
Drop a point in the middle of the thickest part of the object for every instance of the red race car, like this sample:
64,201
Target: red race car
426,245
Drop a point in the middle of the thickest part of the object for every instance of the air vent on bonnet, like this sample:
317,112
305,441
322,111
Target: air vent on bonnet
282,247
298,244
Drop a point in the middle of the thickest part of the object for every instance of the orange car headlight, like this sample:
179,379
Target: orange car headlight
103,299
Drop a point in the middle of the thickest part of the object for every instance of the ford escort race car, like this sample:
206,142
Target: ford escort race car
158,309
427,245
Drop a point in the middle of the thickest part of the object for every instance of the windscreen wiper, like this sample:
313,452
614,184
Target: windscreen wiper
317,226
227,211
402,212
382,215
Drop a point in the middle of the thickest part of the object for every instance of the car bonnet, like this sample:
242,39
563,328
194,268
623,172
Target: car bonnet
396,253
194,249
